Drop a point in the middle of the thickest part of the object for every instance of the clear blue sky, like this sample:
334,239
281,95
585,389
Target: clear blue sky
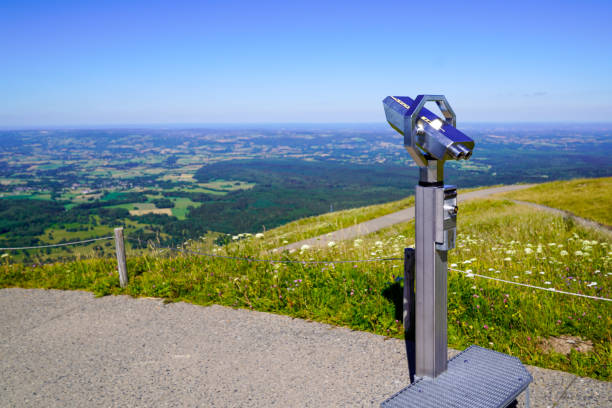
128,62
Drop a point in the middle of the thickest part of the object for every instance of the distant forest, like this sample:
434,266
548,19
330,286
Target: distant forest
249,183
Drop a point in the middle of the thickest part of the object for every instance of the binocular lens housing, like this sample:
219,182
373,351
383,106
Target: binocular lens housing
425,134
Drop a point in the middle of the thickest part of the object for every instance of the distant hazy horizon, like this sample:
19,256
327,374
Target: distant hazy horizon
382,125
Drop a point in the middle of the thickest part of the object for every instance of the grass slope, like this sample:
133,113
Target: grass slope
497,238
586,198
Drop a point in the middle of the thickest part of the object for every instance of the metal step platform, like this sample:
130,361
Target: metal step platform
475,378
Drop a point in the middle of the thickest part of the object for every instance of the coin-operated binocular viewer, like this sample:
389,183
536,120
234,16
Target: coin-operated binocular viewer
431,141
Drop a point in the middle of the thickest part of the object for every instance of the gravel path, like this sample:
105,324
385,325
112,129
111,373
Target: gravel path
388,220
69,349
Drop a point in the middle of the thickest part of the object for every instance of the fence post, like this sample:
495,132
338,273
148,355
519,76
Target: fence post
120,250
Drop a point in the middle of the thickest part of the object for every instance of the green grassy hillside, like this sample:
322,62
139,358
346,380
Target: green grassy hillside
496,238
586,198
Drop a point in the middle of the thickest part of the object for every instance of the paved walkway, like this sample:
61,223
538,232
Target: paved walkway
388,220
69,349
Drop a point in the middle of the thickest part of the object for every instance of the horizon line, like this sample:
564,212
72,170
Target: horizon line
195,125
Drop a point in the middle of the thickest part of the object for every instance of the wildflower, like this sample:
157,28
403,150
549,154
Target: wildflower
563,253
357,242
4,255
542,272
539,249
515,277
475,296
259,235
528,338
597,271
378,243
235,237
453,265
592,284
579,253
486,328
528,272
331,244
285,241
547,283
528,250
508,259
305,247
558,321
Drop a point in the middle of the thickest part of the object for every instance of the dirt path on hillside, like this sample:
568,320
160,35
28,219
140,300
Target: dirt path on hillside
606,229
70,349
388,220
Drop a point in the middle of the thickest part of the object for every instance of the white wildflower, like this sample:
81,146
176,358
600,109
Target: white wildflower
579,253
305,247
259,235
547,283
592,284
453,265
528,250
331,244
563,253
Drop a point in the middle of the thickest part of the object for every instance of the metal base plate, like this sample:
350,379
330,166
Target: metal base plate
476,377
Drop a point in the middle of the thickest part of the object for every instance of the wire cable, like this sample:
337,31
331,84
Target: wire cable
470,274
56,245
286,261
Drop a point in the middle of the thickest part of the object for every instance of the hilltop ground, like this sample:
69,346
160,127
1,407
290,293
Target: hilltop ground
496,237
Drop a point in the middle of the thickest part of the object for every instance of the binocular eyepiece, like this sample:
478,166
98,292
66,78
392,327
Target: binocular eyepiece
426,136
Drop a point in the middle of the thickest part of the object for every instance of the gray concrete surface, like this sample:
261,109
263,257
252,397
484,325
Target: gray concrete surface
69,349
388,220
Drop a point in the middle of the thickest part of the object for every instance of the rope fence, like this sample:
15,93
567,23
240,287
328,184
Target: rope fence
273,261
470,274
121,260
57,245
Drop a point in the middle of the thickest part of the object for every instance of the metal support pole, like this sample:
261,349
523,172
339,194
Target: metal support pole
120,250
431,276
408,315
